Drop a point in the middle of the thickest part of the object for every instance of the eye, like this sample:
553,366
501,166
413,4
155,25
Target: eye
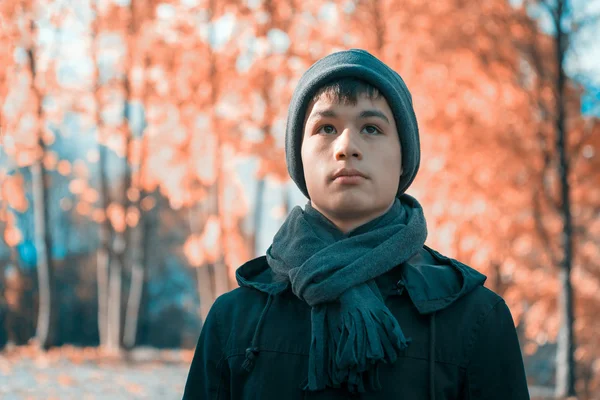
371,130
327,129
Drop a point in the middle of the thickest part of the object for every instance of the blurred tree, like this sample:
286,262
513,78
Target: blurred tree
560,152
266,51
39,181
105,227
214,226
565,382
125,22
485,98
139,226
121,231
195,140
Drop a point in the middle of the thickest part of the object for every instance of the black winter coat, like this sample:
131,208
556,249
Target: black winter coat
464,343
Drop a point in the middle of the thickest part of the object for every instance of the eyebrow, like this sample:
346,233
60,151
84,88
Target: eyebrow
324,114
364,114
373,113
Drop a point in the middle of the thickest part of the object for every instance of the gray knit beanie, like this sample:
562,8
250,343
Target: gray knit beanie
362,65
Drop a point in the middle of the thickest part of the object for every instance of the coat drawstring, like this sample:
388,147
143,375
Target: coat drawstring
252,351
432,357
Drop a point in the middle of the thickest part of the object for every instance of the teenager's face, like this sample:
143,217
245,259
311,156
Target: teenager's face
358,140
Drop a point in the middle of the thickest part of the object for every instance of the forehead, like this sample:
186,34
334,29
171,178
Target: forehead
362,102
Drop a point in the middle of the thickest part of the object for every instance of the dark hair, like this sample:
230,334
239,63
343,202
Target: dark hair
347,91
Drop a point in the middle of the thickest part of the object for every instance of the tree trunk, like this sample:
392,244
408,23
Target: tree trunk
40,211
102,260
565,371
122,244
137,247
133,302
258,212
205,290
103,256
205,286
114,294
42,244
220,268
221,275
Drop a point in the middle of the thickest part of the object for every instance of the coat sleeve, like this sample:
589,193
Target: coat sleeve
208,378
496,370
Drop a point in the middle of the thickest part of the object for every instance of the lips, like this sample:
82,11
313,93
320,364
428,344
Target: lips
348,173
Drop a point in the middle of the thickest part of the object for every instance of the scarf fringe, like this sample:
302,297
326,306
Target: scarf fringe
354,350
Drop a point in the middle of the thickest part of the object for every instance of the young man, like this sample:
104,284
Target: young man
349,302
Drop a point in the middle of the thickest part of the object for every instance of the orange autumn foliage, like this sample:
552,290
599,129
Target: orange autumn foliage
13,192
116,214
214,80
194,251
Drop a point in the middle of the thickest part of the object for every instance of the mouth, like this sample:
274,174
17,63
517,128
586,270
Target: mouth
349,179
348,176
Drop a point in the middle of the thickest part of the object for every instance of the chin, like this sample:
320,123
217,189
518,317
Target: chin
351,203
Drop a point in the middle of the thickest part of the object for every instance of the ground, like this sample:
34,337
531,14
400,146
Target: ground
86,374
76,373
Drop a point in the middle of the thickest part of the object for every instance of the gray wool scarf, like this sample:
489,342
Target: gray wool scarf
352,329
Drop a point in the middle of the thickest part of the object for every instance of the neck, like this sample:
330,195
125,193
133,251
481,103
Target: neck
347,222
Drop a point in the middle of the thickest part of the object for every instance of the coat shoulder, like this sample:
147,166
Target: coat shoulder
242,302
483,296
240,295
468,315
472,309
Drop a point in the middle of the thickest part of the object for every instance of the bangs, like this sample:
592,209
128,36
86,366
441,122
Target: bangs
347,91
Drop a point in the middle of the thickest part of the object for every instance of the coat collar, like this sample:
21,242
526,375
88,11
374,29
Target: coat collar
432,281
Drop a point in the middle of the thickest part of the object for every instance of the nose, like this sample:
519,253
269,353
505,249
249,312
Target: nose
346,147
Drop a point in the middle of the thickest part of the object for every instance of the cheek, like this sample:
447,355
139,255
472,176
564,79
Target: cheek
306,152
309,161
315,164
391,163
